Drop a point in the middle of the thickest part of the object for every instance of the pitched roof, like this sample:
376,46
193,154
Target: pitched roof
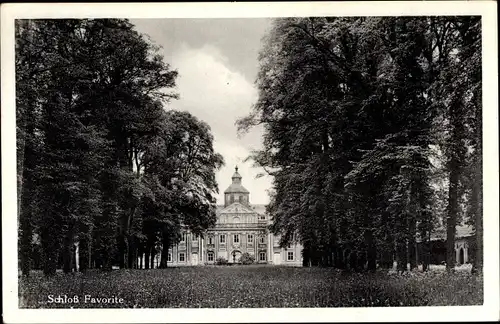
236,207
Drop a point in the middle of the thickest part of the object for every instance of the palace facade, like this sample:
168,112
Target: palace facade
241,227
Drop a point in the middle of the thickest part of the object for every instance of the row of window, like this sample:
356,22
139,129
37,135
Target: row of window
211,256
236,239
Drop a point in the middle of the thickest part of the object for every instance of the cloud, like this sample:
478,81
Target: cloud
218,95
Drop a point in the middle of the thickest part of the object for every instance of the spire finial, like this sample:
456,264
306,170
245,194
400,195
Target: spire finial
236,168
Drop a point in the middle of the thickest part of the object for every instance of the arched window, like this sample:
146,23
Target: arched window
236,219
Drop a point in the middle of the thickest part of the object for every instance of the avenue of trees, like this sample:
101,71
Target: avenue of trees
101,161
372,133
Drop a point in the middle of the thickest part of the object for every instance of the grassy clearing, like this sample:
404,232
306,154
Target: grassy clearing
253,286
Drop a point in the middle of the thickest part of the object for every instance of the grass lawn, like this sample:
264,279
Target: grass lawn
251,286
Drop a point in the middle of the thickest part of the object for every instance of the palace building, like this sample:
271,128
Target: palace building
241,227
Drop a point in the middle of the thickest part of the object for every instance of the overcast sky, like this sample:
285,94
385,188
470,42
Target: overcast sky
217,64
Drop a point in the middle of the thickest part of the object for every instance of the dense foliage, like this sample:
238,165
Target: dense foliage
101,162
368,123
246,258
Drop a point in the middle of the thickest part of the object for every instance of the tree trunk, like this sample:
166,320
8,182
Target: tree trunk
68,253
122,249
478,218
451,220
84,247
146,257
49,255
353,260
153,254
426,251
131,253
164,251
26,234
412,242
477,189
386,258
371,251
402,254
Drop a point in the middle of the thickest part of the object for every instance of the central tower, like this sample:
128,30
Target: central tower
236,192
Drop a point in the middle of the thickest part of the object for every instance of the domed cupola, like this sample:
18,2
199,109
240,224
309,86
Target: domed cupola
236,192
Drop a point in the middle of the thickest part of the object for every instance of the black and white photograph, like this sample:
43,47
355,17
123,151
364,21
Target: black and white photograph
222,162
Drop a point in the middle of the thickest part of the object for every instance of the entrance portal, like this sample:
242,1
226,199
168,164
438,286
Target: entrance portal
235,256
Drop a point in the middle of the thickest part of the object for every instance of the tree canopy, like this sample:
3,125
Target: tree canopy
364,118
102,162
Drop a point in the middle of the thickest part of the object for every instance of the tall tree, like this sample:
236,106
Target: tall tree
350,108
88,89
181,164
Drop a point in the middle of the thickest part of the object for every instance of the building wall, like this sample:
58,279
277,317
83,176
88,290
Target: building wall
236,218
263,245
197,251
464,250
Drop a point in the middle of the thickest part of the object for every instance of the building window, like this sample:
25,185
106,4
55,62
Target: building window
210,256
290,256
223,238
250,238
184,237
169,257
262,239
236,238
262,256
182,257
210,240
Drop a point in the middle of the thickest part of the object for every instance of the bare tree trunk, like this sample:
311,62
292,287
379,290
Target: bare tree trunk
164,251
412,243
426,252
153,254
84,247
131,253
146,257
371,251
68,253
477,198
451,220
402,253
